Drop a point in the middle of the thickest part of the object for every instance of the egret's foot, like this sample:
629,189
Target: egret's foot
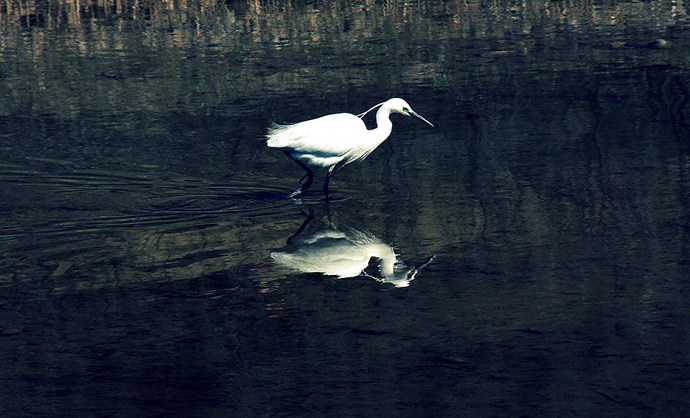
295,193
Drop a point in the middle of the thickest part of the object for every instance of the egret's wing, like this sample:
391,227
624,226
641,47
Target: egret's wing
328,135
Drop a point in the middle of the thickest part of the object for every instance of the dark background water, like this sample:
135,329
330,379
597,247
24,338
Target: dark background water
140,208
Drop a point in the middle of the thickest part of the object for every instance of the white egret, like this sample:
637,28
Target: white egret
335,139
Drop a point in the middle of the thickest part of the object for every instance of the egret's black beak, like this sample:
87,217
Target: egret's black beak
420,117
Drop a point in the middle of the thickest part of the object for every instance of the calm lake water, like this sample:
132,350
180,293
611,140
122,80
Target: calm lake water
527,257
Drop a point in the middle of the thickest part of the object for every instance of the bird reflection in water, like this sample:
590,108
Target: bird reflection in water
344,253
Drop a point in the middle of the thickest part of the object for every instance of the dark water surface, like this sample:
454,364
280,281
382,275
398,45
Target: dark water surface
151,265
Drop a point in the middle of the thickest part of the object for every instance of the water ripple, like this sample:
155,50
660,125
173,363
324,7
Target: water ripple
87,228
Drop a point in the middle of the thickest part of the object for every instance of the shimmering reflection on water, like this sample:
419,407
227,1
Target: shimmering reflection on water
343,253
88,228
158,291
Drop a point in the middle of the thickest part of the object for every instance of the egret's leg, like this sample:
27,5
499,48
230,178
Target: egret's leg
304,184
328,179
309,176
310,216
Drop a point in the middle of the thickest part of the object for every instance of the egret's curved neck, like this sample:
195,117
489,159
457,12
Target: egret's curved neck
383,125
386,257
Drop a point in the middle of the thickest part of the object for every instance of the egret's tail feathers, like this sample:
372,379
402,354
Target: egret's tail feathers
281,136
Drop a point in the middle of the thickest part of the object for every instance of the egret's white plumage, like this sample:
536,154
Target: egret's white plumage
335,139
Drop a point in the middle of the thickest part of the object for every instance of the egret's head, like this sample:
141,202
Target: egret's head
400,106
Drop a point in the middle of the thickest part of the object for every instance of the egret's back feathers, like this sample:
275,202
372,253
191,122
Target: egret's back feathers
325,141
